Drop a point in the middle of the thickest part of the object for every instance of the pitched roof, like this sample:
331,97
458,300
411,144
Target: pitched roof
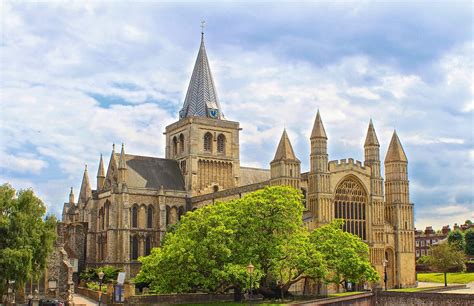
284,150
152,172
318,128
201,95
395,150
371,138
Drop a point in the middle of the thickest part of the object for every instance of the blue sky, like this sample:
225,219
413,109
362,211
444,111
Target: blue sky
79,76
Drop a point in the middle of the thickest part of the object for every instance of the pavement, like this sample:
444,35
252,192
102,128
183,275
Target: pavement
80,300
469,287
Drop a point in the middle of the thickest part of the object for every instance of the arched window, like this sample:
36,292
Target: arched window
208,142
221,143
175,146
350,204
147,246
181,143
304,192
135,216
149,220
134,248
107,214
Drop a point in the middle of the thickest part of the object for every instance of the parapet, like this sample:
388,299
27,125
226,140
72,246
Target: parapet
348,164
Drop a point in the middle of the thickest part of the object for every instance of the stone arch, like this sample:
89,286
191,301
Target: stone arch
207,145
221,143
181,143
175,146
180,212
390,268
351,205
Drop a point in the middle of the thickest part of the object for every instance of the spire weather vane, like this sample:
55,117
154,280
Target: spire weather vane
203,24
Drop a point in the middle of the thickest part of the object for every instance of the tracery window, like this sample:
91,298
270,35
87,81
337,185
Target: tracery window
221,143
181,143
149,220
208,142
351,204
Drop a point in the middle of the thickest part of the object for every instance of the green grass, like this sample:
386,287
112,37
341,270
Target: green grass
453,278
344,293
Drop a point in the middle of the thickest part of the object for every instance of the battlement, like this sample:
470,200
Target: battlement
349,163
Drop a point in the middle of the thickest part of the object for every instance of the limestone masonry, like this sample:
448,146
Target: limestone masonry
137,197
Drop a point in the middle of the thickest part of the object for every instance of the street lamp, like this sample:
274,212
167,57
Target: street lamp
101,276
250,268
385,276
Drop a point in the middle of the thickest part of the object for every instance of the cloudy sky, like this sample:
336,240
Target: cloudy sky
79,76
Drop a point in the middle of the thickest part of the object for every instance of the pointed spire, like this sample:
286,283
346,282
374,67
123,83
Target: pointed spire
201,98
122,164
86,191
71,196
395,150
371,138
101,171
318,128
284,150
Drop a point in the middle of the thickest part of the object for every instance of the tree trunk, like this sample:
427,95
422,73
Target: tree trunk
237,294
445,279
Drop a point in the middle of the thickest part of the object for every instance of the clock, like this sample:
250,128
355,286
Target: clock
213,113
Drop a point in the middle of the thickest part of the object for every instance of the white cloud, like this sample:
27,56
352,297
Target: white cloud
22,164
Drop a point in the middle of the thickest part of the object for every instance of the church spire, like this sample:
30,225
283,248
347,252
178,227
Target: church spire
371,138
395,152
71,196
318,128
86,191
122,164
201,98
100,174
284,150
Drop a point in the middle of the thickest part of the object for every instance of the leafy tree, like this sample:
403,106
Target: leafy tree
210,249
468,222
469,238
444,258
26,236
346,255
456,238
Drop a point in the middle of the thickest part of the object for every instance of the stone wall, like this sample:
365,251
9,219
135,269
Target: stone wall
388,298
178,298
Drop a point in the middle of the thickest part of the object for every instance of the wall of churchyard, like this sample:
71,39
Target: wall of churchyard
389,298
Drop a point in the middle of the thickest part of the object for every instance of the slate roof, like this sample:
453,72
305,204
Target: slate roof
151,172
201,95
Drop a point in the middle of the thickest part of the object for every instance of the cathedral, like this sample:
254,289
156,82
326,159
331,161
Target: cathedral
137,197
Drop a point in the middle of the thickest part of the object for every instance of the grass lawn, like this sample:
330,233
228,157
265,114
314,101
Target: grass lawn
453,278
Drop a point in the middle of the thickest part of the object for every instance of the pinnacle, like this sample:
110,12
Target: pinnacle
395,150
101,172
284,150
371,138
318,128
122,163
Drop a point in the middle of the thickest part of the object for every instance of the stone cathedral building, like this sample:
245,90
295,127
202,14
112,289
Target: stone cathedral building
137,197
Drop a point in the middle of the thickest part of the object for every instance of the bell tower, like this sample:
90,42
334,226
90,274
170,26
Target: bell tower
202,141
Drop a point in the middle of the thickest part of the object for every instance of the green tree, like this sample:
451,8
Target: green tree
456,238
346,255
212,246
469,239
26,236
444,258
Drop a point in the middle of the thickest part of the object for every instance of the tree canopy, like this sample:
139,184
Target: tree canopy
211,247
444,258
469,239
456,238
26,235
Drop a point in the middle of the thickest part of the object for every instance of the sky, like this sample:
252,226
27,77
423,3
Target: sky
78,76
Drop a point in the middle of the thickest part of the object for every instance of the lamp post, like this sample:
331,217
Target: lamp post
250,268
385,276
101,276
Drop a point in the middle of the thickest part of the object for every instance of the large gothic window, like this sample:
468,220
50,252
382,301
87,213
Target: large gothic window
134,216
350,204
181,143
221,143
208,142
149,220
134,248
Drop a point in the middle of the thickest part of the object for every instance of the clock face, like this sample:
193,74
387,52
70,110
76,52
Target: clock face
213,113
